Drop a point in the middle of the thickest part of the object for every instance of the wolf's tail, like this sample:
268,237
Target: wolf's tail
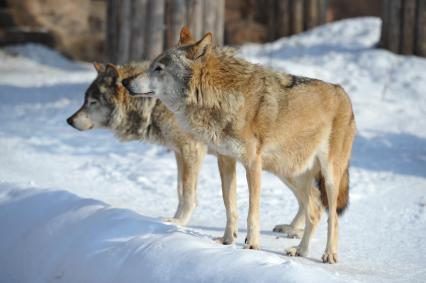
342,198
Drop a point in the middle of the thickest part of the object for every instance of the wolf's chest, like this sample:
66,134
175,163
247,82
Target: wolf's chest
229,147
211,131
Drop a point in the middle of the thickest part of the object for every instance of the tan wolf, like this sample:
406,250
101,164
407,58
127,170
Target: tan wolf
298,128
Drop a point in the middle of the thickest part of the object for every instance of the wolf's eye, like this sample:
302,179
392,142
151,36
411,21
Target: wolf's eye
158,68
93,102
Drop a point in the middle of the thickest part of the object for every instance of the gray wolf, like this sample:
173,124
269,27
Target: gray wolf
108,105
300,129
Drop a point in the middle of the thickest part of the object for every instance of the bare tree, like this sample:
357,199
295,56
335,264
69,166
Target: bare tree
287,17
141,29
420,30
403,26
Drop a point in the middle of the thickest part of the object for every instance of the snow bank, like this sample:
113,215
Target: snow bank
33,65
55,236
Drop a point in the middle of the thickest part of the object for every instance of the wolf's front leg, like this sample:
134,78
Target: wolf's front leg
178,212
189,161
227,169
253,173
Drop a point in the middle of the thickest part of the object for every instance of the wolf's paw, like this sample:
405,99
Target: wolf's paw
329,257
289,230
251,246
173,220
223,241
296,251
227,239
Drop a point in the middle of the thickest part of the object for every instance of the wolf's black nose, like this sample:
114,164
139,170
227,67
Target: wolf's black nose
126,83
69,121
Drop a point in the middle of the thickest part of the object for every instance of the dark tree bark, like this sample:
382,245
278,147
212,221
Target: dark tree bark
272,21
408,26
384,38
195,17
111,35
209,18
287,17
220,22
420,42
394,26
403,26
154,29
322,11
177,14
283,18
310,14
123,31
296,16
139,8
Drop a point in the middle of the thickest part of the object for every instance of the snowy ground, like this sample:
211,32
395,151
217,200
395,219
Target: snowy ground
71,203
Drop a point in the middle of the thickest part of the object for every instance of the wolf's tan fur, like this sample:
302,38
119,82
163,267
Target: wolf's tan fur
296,132
300,129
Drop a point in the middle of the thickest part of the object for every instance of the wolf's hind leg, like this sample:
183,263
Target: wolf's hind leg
311,202
295,228
332,189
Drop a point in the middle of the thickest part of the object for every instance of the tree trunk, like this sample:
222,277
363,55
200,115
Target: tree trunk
123,31
139,8
178,18
111,34
296,16
403,26
394,26
136,29
420,42
195,17
408,27
272,21
322,11
220,22
282,18
154,29
384,38
310,14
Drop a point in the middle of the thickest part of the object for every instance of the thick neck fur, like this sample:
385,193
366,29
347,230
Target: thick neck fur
134,119
215,82
213,107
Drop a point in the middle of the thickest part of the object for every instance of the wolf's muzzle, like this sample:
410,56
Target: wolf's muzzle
126,83
70,121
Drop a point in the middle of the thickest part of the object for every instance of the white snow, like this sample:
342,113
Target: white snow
82,207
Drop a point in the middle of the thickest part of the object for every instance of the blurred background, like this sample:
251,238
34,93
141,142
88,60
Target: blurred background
123,30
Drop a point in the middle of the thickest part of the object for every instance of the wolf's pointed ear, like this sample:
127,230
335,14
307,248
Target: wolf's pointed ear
201,47
111,74
112,71
100,68
185,36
